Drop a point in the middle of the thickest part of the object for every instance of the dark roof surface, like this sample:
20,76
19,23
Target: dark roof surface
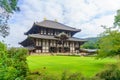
52,37
27,42
55,25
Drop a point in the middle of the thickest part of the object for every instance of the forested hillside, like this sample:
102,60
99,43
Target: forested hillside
91,43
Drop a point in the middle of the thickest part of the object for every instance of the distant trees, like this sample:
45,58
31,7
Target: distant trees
91,44
6,7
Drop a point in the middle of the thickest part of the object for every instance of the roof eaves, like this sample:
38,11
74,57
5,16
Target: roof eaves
71,28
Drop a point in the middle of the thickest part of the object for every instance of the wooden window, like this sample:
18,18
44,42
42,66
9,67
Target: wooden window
43,42
69,34
77,44
46,42
41,31
39,42
51,32
67,44
54,43
44,31
48,31
73,43
55,33
50,42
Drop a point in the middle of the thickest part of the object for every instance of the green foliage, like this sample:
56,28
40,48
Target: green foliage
73,76
76,76
3,51
7,7
19,56
117,19
112,73
13,63
65,76
42,76
109,44
90,45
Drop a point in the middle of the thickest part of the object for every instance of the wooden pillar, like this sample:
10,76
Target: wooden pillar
49,45
69,45
57,46
41,45
73,47
63,47
79,46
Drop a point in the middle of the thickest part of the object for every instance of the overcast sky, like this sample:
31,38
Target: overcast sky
87,15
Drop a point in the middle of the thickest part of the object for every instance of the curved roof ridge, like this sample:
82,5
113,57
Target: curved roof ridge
56,25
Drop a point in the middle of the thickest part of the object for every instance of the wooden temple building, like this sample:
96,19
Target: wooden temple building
52,37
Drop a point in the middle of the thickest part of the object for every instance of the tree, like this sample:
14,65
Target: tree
110,39
117,19
6,8
109,43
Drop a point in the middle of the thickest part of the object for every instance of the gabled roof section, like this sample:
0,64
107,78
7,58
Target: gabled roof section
56,25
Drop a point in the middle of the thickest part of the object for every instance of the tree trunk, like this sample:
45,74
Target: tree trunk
62,46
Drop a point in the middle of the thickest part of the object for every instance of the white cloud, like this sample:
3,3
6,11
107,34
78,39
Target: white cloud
87,15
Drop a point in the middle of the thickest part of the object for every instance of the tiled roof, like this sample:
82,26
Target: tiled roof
55,25
27,42
53,38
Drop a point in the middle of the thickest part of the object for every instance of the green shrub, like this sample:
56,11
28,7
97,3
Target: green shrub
19,56
64,76
13,63
3,51
112,73
72,76
76,76
37,76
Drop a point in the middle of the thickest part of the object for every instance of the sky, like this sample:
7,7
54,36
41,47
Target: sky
87,15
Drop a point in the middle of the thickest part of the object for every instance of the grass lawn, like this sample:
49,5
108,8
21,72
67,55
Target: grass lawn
88,66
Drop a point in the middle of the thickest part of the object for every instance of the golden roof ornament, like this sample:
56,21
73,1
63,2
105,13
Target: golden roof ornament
56,20
45,18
